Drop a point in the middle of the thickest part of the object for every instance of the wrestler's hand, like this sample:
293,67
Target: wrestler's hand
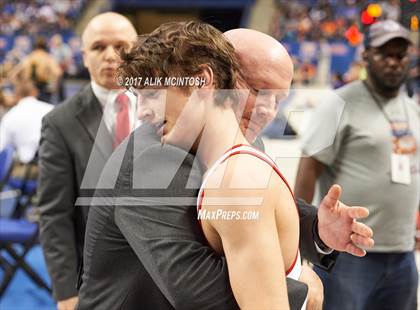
68,304
315,288
338,227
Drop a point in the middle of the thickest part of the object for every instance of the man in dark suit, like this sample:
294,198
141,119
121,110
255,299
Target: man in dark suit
143,224
144,248
73,140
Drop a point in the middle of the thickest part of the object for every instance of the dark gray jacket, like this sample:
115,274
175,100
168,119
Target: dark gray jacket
144,248
67,142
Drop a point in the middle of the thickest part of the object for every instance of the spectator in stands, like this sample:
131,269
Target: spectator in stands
70,134
21,125
77,59
375,158
413,82
63,55
61,52
21,48
3,45
40,67
7,98
307,72
391,9
337,80
355,72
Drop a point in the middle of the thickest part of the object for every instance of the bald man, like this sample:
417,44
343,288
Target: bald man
68,148
267,72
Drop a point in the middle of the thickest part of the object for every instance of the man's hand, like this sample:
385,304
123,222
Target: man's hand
315,288
338,228
68,304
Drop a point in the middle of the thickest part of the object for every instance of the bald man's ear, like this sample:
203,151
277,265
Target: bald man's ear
84,58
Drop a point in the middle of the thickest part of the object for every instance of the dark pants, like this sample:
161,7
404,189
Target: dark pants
374,282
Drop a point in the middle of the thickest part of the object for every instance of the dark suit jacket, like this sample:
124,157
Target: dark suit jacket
67,143
144,248
114,277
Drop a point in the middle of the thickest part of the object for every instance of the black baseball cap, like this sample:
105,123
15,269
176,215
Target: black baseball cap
383,31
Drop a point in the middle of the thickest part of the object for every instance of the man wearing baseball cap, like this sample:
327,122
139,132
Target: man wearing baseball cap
375,158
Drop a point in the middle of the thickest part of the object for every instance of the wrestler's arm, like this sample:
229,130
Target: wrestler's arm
169,242
252,247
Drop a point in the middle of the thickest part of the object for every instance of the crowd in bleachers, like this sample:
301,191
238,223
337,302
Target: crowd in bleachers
317,20
307,27
22,17
298,20
22,21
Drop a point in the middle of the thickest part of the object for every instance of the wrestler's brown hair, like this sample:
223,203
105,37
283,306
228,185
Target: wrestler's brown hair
178,49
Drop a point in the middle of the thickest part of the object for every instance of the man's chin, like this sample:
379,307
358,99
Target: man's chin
393,84
109,84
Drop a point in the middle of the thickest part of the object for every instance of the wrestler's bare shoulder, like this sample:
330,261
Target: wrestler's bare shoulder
241,171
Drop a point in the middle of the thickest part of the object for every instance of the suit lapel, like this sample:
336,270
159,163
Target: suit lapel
90,117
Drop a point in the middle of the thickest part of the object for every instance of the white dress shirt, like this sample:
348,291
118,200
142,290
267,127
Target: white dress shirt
106,98
21,127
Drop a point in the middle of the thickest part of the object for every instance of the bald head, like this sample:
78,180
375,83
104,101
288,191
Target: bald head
108,21
267,71
259,55
104,35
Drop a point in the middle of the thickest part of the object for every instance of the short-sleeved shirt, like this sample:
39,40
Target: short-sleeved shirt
21,127
359,159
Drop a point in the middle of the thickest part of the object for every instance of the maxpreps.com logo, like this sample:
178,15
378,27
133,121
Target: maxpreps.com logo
226,215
